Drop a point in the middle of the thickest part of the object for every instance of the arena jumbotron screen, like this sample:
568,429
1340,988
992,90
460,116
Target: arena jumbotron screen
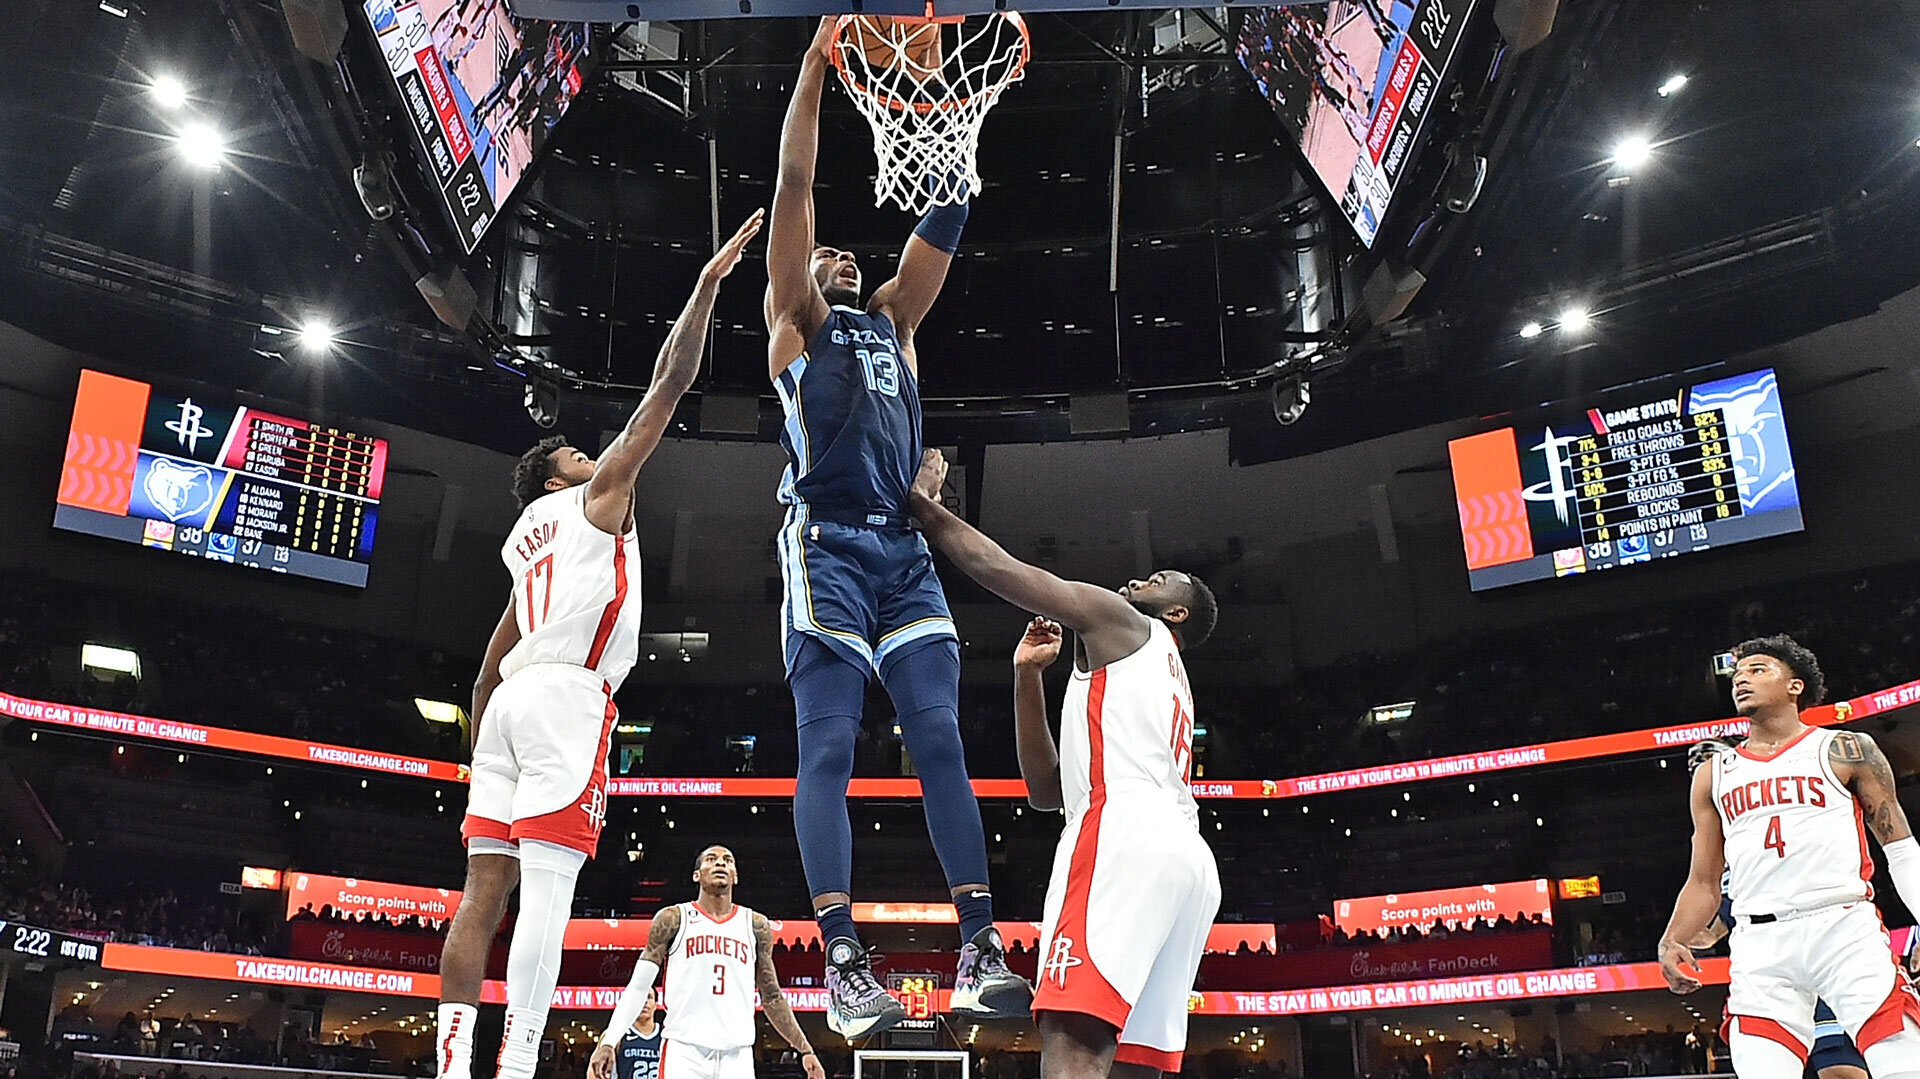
216,480
481,89
1354,81
1705,467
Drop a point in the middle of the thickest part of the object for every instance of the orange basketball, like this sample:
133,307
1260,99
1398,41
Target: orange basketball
887,41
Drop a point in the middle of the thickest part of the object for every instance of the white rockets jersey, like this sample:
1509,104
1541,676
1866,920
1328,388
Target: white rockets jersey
1795,837
576,589
710,991
1126,730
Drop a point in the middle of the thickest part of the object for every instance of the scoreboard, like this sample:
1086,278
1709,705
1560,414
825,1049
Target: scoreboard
209,478
1705,466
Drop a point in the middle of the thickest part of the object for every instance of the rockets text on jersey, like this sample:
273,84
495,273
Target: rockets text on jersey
710,980
576,589
1795,838
1128,728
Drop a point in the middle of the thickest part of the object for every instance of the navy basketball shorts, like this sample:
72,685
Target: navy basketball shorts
865,592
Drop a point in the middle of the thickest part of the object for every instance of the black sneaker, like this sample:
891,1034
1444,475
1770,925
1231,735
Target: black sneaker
984,987
857,1004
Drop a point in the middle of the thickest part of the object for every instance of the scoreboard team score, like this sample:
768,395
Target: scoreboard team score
220,481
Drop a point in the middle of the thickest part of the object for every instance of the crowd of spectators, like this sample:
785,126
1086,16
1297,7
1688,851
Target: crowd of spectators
135,914
1438,930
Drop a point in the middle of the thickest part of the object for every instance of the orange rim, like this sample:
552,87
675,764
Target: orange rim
894,104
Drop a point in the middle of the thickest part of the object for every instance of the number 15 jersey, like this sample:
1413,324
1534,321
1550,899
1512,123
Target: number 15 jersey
1126,731
1795,838
576,589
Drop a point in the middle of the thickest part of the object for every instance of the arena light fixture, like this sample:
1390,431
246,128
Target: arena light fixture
1632,152
202,146
1531,330
439,711
100,657
1675,83
1575,319
316,334
168,91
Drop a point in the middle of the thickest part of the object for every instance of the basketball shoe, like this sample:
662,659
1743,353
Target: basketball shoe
984,987
857,1004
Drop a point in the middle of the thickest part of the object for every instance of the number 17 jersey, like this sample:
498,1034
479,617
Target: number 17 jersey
576,589
1795,837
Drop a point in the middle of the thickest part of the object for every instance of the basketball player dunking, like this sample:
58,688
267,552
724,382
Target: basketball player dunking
1787,814
717,956
861,596
543,703
1134,887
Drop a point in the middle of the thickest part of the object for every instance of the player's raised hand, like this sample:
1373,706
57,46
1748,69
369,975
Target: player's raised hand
1039,646
933,475
823,38
725,259
811,1062
601,1066
1674,956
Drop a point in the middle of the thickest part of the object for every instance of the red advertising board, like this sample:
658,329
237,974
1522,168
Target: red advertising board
1654,739
350,895
1448,906
1462,954
364,946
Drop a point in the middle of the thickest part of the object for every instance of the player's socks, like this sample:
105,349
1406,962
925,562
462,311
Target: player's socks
924,681
975,907
455,1040
547,875
836,921
828,695
520,1042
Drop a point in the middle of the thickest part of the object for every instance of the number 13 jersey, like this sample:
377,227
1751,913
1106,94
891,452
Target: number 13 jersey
1795,838
710,990
576,589
852,431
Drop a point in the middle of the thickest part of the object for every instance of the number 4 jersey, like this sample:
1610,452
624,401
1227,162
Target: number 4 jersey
1795,838
576,589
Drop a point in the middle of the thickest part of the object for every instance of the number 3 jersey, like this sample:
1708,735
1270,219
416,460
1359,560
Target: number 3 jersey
852,431
576,589
710,992
1795,838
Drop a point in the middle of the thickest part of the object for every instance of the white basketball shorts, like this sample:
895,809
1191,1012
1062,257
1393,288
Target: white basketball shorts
1838,954
1131,902
540,759
682,1060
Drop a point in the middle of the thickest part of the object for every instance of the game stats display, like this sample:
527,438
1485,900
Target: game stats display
220,481
481,89
1706,467
1354,81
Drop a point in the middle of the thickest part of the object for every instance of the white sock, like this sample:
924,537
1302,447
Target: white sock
547,874
455,1041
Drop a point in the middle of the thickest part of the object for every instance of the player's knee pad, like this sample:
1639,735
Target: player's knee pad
1755,1057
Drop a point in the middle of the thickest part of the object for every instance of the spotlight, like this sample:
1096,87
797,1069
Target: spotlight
316,335
1674,84
168,92
100,657
1574,320
1632,152
1531,330
439,711
202,146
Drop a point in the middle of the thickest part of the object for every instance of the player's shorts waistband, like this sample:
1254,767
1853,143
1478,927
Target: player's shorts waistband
1790,915
571,671
893,522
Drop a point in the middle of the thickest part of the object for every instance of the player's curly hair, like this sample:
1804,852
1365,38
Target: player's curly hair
534,469
1798,659
1203,613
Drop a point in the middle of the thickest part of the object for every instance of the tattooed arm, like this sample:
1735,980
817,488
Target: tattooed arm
774,1002
1859,764
660,937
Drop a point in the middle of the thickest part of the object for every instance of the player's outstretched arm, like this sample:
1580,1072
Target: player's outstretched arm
1699,899
610,492
660,937
1081,607
795,309
772,1001
1858,762
924,262
505,636
1032,738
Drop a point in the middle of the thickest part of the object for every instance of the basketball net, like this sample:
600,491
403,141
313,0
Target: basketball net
926,118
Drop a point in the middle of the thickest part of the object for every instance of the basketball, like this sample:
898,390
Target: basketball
887,41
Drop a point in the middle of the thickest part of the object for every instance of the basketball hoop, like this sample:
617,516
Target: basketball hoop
925,86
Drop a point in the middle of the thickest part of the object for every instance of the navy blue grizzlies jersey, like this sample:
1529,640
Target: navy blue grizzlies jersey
858,578
852,431
638,1057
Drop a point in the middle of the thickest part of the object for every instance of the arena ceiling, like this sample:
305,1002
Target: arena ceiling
1783,194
